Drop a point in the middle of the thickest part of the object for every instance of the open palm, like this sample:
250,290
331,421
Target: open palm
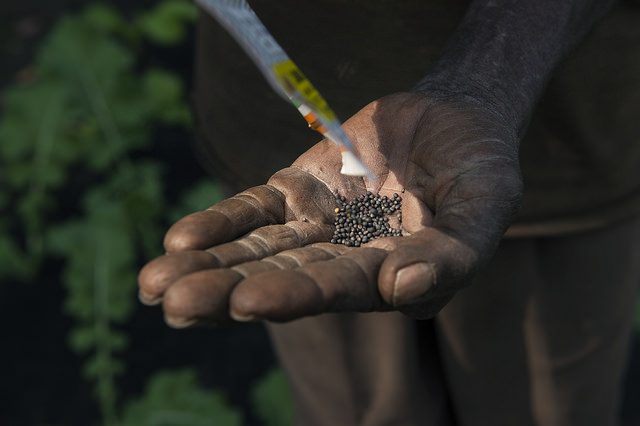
264,254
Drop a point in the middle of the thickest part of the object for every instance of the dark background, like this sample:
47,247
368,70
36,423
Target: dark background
40,377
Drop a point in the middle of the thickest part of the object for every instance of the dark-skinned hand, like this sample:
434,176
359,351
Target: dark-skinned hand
265,254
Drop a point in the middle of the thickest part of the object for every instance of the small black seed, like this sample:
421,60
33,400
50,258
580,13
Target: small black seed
365,218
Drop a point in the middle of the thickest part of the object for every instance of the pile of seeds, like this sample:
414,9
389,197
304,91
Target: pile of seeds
365,218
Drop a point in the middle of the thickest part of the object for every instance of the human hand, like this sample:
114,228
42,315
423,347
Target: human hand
264,253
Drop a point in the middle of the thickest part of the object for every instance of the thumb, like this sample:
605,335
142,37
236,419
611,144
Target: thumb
425,270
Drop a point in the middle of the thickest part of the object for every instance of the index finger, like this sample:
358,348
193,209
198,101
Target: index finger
258,206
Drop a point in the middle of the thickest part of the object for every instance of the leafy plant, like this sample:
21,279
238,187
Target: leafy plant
79,183
165,23
271,399
174,398
83,113
76,172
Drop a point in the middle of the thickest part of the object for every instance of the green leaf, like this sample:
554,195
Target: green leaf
103,17
165,91
166,23
162,87
82,339
100,365
174,398
101,88
29,131
75,52
14,262
118,341
272,401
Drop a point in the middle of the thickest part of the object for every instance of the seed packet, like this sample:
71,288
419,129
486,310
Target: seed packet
237,17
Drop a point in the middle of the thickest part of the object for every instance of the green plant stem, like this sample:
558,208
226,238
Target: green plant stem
37,186
100,108
98,103
105,385
106,380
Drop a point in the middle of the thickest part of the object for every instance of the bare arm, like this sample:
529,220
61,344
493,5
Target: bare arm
504,52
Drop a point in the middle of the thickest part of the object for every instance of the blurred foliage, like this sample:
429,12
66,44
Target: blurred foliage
173,398
271,399
78,184
165,23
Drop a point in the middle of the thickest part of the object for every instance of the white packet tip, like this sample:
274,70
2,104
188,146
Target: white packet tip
352,166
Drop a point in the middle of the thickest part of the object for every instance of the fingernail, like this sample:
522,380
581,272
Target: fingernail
148,300
412,282
242,318
175,322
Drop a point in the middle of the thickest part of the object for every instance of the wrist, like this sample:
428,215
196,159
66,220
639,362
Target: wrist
504,52
444,87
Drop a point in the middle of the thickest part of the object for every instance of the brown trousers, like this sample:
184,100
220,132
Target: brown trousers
540,338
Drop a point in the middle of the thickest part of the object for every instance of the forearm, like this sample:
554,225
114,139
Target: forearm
504,51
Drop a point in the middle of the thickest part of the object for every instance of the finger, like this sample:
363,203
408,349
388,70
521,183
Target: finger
269,240
226,220
156,276
159,274
425,269
202,297
344,283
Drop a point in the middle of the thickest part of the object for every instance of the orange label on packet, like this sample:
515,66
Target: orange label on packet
291,76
